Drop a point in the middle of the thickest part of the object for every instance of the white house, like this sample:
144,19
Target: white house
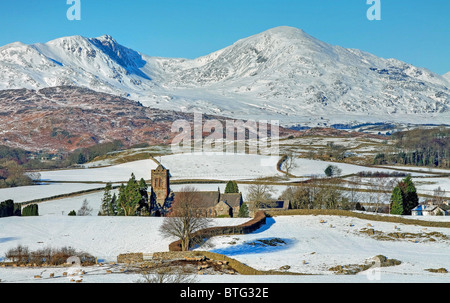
428,210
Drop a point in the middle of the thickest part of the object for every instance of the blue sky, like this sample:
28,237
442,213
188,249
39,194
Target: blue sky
414,31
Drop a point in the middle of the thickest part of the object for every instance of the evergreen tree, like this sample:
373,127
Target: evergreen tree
243,211
144,207
397,202
113,205
411,199
143,185
231,187
30,210
121,201
129,197
72,213
106,201
81,159
7,208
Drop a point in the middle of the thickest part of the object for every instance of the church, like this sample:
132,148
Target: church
207,204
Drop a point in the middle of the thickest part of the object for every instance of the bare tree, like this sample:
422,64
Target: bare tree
166,275
260,194
288,163
438,195
353,189
383,188
184,218
85,209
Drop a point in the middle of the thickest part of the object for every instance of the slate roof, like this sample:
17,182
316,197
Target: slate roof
207,199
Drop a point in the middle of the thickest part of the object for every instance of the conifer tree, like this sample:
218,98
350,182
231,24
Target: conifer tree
113,205
243,211
231,187
396,202
411,199
121,200
106,201
129,197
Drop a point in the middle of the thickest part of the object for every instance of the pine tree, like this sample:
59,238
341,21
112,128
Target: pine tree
231,187
30,210
112,206
129,197
106,201
243,211
121,201
143,185
411,199
396,202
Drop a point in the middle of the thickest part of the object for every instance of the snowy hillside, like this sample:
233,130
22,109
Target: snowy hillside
310,247
282,73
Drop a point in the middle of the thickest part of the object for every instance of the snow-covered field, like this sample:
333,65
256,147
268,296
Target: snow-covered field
115,173
181,166
307,167
222,167
29,193
311,247
216,166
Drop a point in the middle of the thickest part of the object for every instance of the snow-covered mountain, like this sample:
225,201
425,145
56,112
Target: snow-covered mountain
447,76
282,74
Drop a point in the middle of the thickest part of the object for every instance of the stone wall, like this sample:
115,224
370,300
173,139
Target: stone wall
130,258
245,228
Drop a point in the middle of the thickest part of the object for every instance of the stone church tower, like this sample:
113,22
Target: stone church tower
160,185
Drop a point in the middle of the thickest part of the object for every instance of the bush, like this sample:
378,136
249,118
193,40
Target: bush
31,210
22,255
7,208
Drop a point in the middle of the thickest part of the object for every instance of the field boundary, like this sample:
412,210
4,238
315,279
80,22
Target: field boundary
203,234
359,215
239,267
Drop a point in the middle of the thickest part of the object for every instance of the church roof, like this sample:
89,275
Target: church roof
234,200
207,199
161,168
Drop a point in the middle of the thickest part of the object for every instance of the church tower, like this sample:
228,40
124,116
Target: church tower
160,184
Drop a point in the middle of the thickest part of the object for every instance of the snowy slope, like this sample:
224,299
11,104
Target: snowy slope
447,76
282,73
182,166
336,242
318,244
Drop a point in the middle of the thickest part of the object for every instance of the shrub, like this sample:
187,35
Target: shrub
22,255
7,208
31,210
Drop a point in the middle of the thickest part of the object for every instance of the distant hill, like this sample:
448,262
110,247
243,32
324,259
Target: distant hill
66,118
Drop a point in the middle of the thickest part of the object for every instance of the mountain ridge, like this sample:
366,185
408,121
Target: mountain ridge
282,73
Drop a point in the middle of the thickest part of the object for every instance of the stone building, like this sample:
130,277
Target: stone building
160,185
217,204
207,203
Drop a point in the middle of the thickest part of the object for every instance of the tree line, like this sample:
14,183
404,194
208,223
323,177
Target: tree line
132,199
419,147
8,209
